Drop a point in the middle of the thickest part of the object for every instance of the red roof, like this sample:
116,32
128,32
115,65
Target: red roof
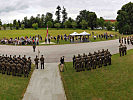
110,20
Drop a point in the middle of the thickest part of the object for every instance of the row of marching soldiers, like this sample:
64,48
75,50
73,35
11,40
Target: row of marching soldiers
91,61
126,40
15,66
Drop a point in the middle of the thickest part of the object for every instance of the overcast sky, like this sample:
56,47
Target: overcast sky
18,9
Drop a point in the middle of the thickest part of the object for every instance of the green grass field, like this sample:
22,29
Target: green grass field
13,87
113,82
52,32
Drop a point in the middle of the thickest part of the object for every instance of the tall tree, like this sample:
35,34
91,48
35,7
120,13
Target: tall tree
31,21
11,26
84,24
42,21
100,22
26,22
67,24
58,14
35,26
0,22
57,25
22,26
48,17
74,24
108,25
17,26
49,24
83,15
14,23
4,26
64,15
92,20
125,19
19,23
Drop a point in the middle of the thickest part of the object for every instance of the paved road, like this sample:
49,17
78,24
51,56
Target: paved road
45,84
53,53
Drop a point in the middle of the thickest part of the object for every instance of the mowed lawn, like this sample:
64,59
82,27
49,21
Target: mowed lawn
13,87
52,32
113,82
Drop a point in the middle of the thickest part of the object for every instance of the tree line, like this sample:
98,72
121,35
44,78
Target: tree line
84,20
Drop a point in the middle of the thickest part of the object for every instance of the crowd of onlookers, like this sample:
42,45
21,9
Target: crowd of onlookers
80,38
22,40
72,39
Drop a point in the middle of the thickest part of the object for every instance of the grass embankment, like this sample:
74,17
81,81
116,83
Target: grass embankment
52,32
13,87
113,82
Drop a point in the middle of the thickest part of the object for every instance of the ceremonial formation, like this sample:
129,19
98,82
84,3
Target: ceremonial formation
91,61
15,66
126,40
122,50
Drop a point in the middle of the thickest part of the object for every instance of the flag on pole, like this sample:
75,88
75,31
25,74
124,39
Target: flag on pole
47,34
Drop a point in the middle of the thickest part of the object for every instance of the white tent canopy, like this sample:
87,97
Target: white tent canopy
74,34
84,33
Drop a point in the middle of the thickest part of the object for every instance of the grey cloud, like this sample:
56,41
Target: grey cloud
13,6
21,8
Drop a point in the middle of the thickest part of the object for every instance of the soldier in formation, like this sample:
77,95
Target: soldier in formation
91,61
15,66
122,50
126,40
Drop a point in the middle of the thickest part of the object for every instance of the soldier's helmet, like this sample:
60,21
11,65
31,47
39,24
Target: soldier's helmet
120,44
78,55
98,51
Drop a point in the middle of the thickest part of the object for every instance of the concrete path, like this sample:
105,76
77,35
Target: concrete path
45,84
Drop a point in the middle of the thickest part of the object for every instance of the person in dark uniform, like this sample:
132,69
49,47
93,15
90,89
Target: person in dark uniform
26,70
36,62
34,47
29,61
42,62
62,64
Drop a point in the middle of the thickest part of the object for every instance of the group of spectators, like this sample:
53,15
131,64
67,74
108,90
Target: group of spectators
22,40
84,38
105,36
